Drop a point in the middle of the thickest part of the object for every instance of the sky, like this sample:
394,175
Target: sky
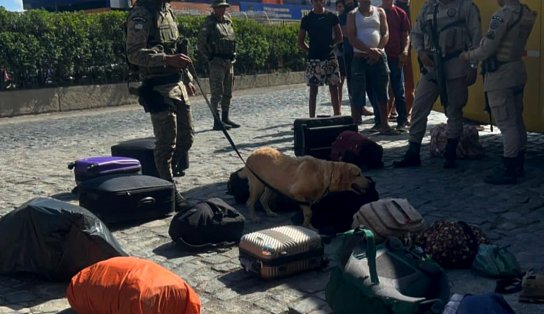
12,5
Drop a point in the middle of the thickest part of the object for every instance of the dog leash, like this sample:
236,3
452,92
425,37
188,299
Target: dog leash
231,141
216,116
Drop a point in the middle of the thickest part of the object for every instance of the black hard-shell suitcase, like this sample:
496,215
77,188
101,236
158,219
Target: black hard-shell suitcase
119,198
300,124
317,141
141,149
281,251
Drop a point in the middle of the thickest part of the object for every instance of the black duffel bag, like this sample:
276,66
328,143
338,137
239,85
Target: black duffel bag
334,212
209,224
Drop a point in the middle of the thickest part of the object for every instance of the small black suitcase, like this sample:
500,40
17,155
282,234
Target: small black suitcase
141,149
317,141
300,124
120,198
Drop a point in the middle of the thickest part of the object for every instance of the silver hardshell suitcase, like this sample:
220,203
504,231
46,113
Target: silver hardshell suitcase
281,251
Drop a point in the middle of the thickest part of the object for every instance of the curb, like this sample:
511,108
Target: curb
45,100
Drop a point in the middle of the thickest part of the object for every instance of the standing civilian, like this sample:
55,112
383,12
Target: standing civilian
397,55
322,66
409,86
339,52
368,33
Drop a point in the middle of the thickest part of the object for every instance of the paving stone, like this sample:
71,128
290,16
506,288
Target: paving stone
307,305
34,151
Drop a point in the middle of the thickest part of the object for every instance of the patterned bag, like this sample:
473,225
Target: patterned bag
452,244
469,146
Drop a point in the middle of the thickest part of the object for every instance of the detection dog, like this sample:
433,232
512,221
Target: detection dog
304,179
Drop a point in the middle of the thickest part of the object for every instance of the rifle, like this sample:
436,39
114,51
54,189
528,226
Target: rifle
436,53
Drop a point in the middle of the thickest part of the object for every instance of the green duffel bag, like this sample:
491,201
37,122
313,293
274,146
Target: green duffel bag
388,278
496,262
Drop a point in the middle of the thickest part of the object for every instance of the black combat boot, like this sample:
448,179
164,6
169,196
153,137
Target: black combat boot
507,175
227,121
217,124
181,204
449,154
411,158
520,169
180,162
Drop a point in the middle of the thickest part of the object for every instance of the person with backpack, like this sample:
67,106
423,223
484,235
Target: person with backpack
153,45
502,50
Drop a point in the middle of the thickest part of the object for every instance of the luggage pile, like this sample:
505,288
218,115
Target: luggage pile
336,139
389,260
124,187
59,241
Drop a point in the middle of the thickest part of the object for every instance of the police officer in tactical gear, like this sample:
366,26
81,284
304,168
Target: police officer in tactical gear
443,29
152,46
501,52
217,43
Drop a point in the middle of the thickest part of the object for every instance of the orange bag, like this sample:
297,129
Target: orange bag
130,285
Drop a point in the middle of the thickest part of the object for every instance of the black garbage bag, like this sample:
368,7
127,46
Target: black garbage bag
53,239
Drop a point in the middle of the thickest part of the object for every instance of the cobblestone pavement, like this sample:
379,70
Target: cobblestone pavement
36,149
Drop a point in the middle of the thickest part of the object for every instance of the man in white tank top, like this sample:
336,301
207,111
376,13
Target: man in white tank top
368,33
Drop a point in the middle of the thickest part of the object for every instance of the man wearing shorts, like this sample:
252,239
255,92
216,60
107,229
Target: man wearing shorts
368,33
322,66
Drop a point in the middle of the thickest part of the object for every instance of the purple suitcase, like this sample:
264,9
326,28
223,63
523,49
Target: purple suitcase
92,167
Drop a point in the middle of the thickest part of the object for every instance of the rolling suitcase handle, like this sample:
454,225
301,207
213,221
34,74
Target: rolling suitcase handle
146,202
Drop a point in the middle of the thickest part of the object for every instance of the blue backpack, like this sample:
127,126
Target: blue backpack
489,303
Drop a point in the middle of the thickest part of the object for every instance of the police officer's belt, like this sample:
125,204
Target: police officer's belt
162,80
451,55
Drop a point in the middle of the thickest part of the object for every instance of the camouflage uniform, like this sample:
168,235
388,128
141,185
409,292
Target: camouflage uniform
504,45
152,33
217,43
458,22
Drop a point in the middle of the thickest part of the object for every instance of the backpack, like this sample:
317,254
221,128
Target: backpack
494,261
334,213
355,148
132,285
389,217
469,146
212,223
452,244
384,279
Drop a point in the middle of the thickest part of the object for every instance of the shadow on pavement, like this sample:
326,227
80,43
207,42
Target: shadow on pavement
255,144
19,291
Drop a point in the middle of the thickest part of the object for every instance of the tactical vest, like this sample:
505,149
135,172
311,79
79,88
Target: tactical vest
163,36
512,46
453,36
222,39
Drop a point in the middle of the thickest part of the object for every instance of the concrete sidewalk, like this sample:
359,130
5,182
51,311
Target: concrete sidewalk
35,151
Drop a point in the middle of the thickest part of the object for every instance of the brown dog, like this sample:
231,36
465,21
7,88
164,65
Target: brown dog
304,179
